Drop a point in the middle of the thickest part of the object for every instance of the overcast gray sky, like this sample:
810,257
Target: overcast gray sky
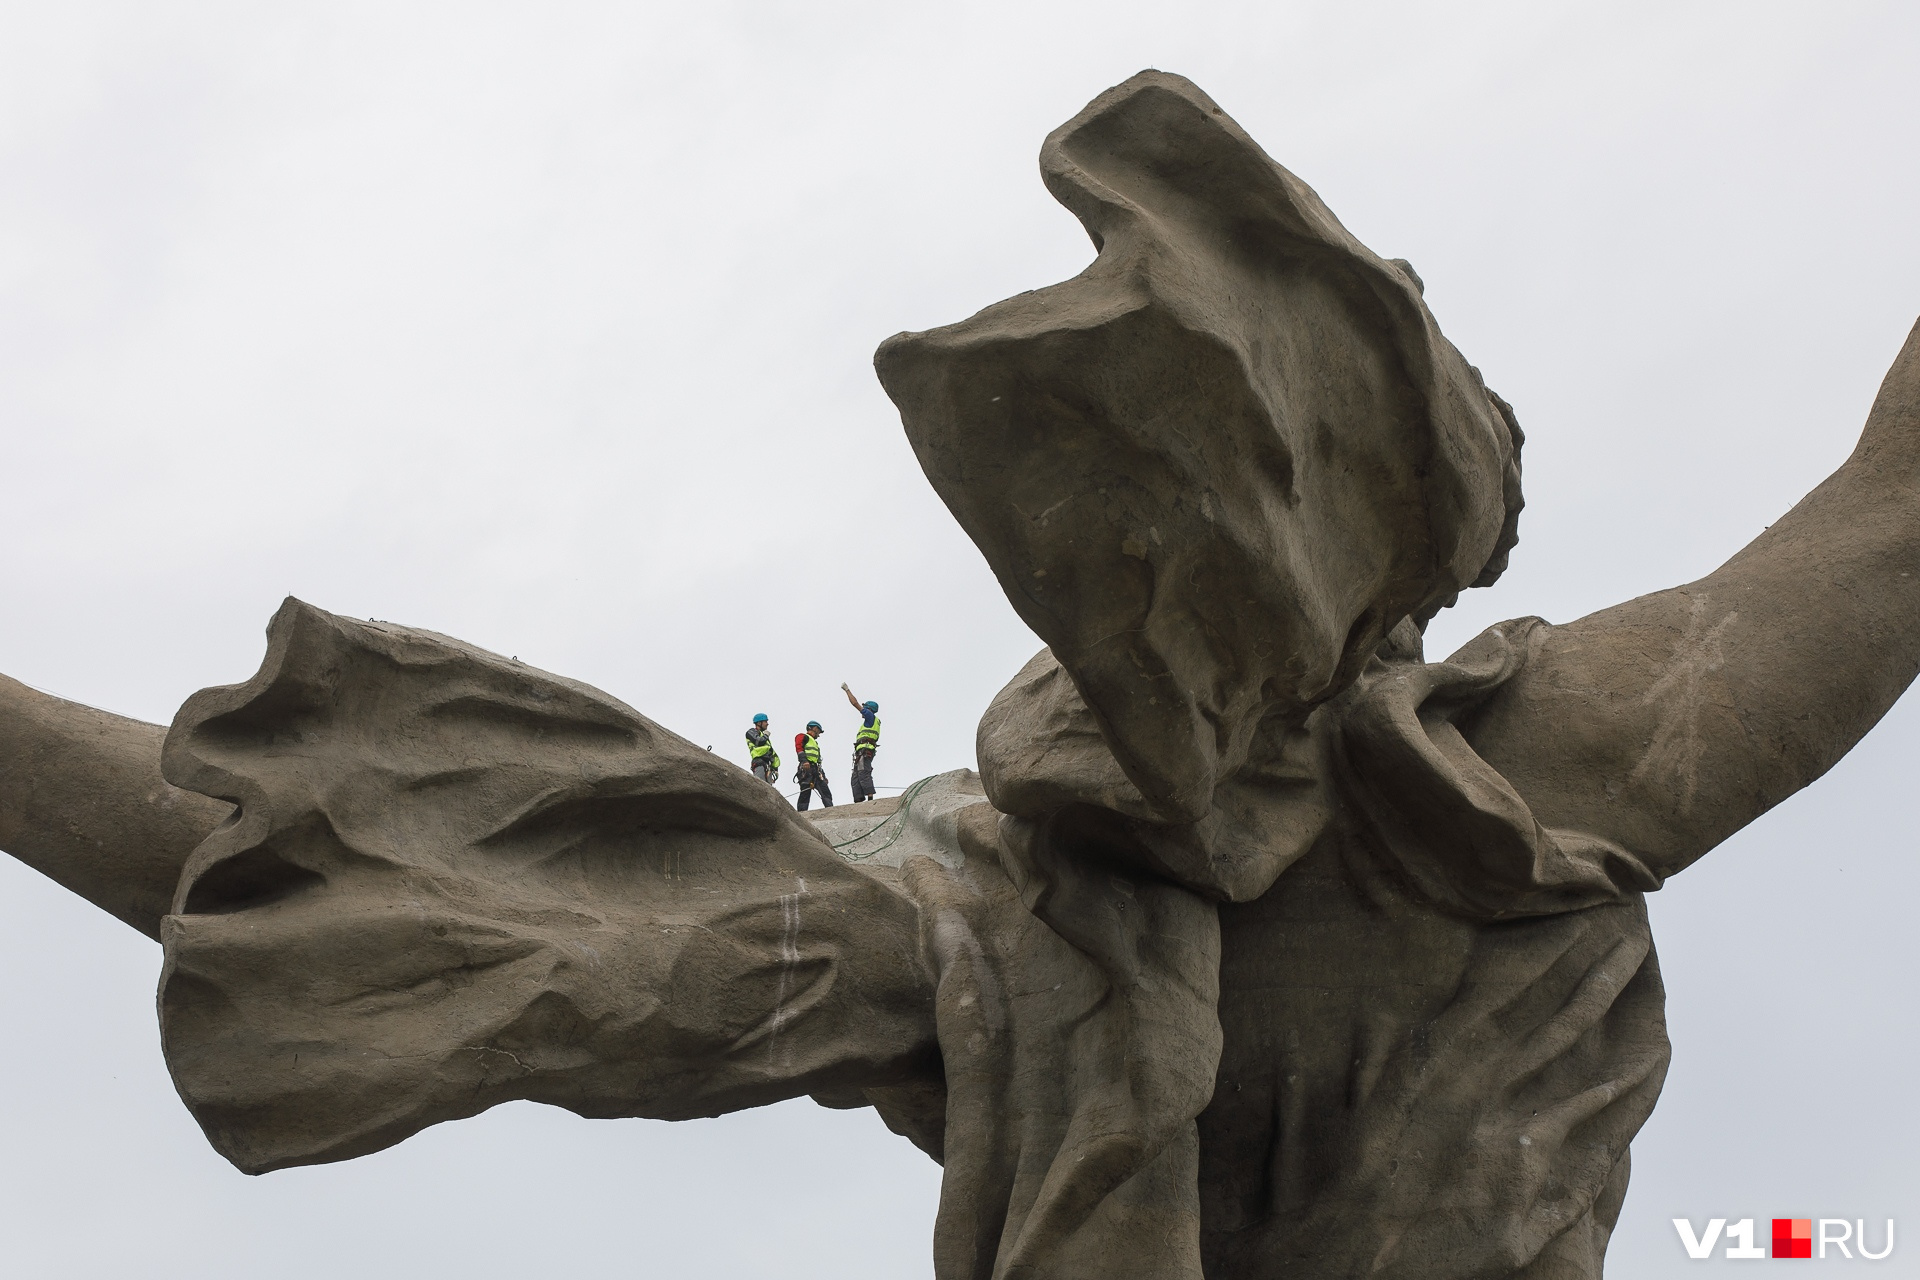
549,327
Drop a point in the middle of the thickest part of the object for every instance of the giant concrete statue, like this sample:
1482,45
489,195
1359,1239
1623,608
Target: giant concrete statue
1259,946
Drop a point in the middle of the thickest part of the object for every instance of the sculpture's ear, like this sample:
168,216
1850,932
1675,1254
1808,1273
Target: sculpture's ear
1213,470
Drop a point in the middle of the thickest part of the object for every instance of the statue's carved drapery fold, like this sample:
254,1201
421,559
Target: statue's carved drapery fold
1445,1023
453,880
1071,1077
1457,830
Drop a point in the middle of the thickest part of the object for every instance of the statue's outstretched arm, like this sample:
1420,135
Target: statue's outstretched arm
82,801
1669,722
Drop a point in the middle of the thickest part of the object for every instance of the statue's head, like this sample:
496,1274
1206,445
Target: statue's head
1218,467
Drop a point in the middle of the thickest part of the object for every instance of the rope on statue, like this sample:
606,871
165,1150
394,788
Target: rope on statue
898,816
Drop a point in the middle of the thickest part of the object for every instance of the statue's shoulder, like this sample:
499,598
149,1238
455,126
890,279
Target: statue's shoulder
1413,787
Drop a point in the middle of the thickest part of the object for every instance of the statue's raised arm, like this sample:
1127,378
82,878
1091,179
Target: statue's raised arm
1669,722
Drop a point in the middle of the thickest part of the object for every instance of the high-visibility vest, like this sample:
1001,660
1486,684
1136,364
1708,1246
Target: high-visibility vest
810,750
868,736
760,747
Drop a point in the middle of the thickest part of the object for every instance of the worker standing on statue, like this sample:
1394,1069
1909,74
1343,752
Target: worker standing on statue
866,741
807,770
763,759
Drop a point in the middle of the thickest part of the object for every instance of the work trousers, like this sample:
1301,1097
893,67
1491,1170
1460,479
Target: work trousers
812,778
764,770
862,776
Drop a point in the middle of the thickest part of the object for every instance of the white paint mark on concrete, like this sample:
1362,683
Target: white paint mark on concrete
1674,749
789,960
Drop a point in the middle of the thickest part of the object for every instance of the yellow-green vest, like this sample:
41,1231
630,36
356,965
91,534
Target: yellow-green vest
762,749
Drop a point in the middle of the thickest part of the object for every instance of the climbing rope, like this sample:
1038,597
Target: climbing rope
906,803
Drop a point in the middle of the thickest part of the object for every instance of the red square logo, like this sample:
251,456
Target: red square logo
1793,1237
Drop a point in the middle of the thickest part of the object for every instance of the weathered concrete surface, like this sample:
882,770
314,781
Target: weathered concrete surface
453,880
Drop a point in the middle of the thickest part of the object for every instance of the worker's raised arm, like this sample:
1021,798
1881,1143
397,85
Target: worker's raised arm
1669,722
851,700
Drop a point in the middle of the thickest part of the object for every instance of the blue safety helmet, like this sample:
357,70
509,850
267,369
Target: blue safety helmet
813,724
871,706
760,719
